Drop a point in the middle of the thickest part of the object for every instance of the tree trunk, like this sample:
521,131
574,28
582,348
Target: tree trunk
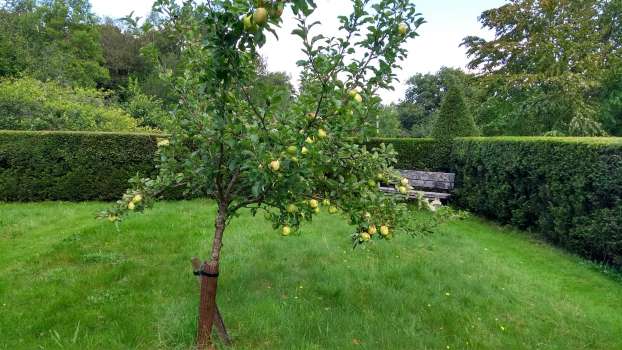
209,283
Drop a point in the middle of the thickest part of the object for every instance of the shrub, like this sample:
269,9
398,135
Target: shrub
454,118
29,104
568,190
74,166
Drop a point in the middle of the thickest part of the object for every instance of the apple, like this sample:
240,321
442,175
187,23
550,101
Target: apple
137,199
321,133
131,206
292,150
358,98
292,208
275,165
332,210
365,237
372,230
304,151
260,16
311,116
384,230
295,159
313,204
326,202
404,181
277,11
286,230
403,28
112,218
249,26
353,93
402,189
316,210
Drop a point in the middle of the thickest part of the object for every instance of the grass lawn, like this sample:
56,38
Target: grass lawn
68,281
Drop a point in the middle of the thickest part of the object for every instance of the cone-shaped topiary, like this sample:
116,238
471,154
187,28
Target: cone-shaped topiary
454,119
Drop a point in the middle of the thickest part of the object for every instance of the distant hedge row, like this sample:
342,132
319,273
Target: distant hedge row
569,190
72,166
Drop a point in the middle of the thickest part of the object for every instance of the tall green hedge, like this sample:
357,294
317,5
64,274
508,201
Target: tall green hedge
569,190
75,166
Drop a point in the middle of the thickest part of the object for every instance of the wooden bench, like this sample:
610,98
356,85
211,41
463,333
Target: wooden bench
432,185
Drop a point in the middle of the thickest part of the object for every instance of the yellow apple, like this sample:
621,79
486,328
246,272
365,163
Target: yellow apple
137,199
292,208
404,181
358,98
309,140
365,237
286,230
403,28
260,16
402,189
304,151
131,206
313,204
321,133
372,230
384,230
275,165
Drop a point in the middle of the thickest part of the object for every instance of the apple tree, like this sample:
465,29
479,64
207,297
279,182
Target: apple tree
288,164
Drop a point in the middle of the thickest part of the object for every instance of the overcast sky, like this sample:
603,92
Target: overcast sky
448,22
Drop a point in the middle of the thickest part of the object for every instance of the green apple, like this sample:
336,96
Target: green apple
292,150
249,26
304,151
321,133
332,210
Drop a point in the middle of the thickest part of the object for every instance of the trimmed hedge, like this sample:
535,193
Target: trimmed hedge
73,166
569,190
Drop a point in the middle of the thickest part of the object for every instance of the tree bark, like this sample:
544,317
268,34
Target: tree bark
209,283
219,322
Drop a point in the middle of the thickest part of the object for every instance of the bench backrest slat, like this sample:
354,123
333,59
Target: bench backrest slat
425,179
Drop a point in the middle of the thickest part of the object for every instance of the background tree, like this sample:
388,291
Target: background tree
544,65
425,93
51,40
454,119
285,163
